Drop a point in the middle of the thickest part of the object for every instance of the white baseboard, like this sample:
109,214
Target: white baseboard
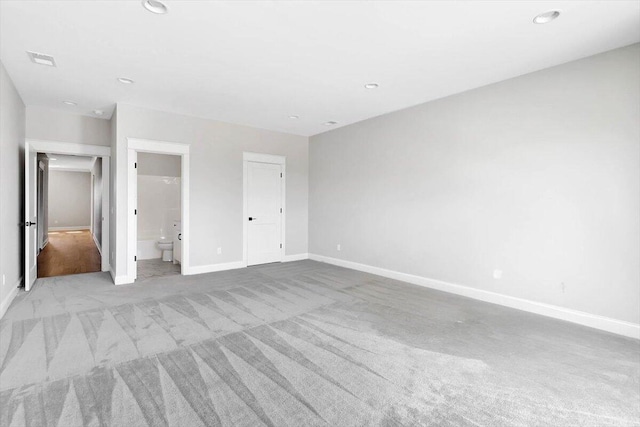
6,302
296,257
608,324
76,228
212,268
118,280
97,243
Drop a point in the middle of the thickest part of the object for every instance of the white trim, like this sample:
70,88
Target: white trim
96,243
161,147
608,324
295,257
57,147
135,145
6,302
58,169
272,159
70,228
212,268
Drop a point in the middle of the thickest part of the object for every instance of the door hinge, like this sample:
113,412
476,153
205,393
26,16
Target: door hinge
280,210
280,174
135,211
135,258
135,165
280,245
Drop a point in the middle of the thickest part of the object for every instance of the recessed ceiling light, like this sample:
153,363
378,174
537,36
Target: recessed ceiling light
294,117
155,6
330,123
73,104
41,59
546,17
371,86
125,80
98,112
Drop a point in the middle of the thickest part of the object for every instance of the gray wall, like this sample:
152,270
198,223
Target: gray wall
55,125
69,199
216,180
96,172
12,127
159,164
538,176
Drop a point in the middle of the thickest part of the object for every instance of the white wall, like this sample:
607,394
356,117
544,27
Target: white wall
12,129
55,125
158,164
215,180
69,199
538,176
158,206
96,173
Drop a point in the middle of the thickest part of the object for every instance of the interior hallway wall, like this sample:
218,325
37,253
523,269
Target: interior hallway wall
54,125
96,172
69,200
12,131
537,176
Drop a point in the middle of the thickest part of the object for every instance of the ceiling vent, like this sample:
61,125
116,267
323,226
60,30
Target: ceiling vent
42,59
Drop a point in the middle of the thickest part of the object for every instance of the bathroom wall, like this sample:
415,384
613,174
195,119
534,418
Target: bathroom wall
158,201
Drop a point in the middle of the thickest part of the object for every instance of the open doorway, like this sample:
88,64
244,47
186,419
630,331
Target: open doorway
158,200
53,221
69,224
158,211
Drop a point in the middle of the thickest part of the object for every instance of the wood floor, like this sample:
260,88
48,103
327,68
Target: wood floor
69,252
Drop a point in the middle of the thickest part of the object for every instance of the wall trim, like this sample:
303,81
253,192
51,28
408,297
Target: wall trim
6,302
97,244
608,324
118,280
295,257
212,268
71,228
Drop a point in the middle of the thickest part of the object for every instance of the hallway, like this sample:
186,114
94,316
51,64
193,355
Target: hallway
69,252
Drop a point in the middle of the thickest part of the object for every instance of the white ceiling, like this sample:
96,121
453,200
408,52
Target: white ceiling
257,63
75,163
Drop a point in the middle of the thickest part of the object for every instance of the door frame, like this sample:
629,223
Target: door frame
262,158
70,148
134,146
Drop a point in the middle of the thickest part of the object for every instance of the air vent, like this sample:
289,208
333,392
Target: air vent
42,59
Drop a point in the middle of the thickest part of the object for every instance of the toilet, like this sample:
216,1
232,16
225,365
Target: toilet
166,246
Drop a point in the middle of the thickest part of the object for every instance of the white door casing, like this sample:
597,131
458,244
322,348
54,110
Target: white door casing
264,202
32,148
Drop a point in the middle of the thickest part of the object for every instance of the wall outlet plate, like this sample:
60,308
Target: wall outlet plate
338,247
219,251
497,274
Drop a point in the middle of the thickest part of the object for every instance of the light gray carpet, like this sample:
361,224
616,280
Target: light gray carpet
300,344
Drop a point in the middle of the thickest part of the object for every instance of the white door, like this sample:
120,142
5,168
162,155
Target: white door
31,217
264,209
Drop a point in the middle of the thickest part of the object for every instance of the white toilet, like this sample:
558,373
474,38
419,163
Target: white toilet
166,246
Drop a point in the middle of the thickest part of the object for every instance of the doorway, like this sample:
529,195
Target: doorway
264,208
41,228
163,167
69,224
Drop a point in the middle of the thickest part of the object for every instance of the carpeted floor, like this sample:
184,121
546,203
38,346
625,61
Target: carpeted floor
300,344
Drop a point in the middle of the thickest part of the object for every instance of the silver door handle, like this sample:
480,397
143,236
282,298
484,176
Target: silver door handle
28,223
253,218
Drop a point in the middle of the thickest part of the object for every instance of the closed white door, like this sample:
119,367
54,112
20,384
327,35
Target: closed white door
264,208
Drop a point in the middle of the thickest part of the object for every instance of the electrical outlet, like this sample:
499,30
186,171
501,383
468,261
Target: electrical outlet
219,251
497,274
4,280
562,287
338,247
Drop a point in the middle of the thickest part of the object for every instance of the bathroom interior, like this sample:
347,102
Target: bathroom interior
159,210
